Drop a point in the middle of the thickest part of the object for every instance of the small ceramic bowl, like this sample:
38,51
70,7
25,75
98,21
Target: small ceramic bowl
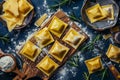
14,67
103,24
26,21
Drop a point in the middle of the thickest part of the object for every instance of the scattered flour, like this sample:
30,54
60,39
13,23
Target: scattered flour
6,63
76,7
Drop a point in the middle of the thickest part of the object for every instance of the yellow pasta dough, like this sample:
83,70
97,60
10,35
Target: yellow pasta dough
30,51
94,64
110,11
73,38
24,7
114,53
43,37
47,65
12,21
11,6
95,13
58,51
15,12
57,26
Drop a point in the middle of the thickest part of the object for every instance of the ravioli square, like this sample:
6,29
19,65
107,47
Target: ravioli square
110,11
12,8
95,13
24,7
47,65
11,20
94,64
14,14
30,51
113,53
58,51
73,38
57,26
43,37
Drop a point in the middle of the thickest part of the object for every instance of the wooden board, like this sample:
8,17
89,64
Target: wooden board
36,72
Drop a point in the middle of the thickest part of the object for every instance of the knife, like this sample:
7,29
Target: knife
109,64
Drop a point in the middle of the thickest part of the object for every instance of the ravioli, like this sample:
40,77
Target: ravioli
30,51
12,21
11,25
94,64
95,13
114,53
110,11
12,8
47,65
14,14
24,7
73,38
43,37
57,26
58,51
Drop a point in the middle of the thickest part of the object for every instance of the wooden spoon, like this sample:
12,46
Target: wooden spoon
14,67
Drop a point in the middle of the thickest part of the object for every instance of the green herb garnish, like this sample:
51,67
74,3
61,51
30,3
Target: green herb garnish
59,3
4,39
72,16
104,73
74,61
90,46
86,76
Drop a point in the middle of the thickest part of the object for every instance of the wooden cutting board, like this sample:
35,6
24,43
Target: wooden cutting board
33,71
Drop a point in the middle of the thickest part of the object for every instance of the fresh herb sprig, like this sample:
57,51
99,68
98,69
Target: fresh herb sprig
73,16
102,74
90,46
74,61
5,39
60,3
86,76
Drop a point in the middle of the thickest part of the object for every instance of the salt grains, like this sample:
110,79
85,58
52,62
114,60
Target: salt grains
6,63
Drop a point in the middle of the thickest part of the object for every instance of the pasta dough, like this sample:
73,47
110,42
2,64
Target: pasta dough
14,14
95,13
73,38
58,51
110,11
43,37
47,65
94,64
30,51
114,53
24,7
12,8
57,26
11,20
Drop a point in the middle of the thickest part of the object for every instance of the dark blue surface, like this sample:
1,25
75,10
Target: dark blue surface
66,72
